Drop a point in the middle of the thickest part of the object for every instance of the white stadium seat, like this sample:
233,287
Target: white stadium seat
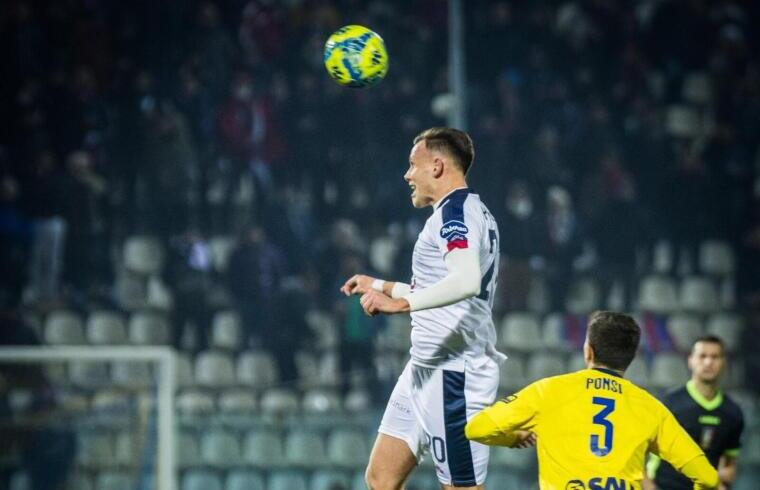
201,480
279,400
131,373
214,370
583,297
668,371
716,258
729,327
357,401
684,329
220,448
257,369
304,448
576,362
638,372
554,333
319,400
697,88
89,374
347,447
95,449
78,481
517,459
682,121
63,327
237,401
263,448
520,331
225,330
544,365
286,480
221,247
125,449
184,371
512,374
148,328
244,480
194,402
657,294
143,254
20,481
106,328
698,295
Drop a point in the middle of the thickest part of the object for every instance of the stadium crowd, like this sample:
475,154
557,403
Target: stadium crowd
601,129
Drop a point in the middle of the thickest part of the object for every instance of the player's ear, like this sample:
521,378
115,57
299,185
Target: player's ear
437,167
588,353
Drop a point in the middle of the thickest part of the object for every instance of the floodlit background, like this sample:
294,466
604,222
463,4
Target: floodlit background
184,173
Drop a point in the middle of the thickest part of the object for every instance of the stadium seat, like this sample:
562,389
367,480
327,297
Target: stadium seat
358,481
237,401
201,480
752,453
131,373
382,253
512,374
520,331
539,297
225,330
583,297
347,448
729,327
63,327
422,480
329,480
682,121
716,258
159,296
657,294
193,402
696,88
94,449
89,374
148,328
304,448
244,480
109,408
125,449
78,481
576,362
143,254
220,448
106,328
684,329
221,246
668,371
188,450
515,459
263,448
357,401
638,372
329,369
20,481
279,400
662,257
214,370
554,337
507,480
286,480
184,371
698,295
257,369
322,324
110,480
544,365
319,400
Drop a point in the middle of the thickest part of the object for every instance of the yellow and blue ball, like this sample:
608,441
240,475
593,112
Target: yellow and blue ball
355,56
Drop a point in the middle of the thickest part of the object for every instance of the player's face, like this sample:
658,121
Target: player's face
420,175
706,361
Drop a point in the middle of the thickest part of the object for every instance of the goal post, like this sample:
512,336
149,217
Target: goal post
161,357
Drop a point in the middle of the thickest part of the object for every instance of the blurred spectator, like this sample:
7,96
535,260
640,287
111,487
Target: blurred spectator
254,275
563,240
287,330
15,236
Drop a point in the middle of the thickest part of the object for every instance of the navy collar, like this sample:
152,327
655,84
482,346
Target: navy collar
445,199
608,371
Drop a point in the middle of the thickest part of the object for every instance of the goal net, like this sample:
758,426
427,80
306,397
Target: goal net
83,418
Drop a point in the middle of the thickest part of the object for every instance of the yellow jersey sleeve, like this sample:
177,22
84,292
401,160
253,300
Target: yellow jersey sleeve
495,425
675,445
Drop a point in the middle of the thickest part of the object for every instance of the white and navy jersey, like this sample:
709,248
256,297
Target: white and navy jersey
445,337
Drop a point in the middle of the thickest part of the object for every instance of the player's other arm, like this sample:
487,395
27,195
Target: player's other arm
727,465
360,284
508,422
676,446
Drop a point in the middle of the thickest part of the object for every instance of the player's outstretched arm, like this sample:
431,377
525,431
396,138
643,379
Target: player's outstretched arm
508,422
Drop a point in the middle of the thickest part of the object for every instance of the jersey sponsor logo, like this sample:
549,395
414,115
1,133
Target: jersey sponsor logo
453,228
598,483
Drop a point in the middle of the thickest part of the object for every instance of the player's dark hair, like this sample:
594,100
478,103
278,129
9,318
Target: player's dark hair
614,338
452,141
710,339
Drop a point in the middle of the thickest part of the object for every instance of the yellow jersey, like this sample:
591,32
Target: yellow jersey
593,431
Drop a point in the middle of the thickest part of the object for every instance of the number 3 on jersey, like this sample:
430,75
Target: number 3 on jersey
600,418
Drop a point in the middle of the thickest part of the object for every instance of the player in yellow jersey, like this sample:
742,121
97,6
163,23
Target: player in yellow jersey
593,427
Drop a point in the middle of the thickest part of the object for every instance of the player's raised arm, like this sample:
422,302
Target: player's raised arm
508,422
677,447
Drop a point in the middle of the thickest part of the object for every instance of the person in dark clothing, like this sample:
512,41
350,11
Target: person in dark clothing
710,417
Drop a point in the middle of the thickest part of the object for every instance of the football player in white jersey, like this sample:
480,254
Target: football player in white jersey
454,368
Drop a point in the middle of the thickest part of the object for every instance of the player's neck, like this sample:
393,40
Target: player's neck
708,390
594,365
448,189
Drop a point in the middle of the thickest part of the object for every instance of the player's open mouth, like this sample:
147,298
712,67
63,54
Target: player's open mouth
414,188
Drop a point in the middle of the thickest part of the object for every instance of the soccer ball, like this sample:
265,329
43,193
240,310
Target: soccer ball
356,57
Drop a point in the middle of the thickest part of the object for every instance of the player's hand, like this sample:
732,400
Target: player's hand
357,284
375,302
525,439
